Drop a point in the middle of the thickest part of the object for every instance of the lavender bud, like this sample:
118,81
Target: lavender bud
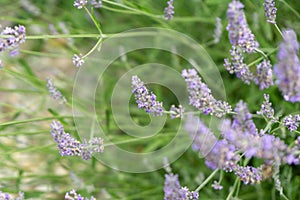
176,112
78,60
216,185
270,11
54,92
249,174
80,3
6,196
264,76
72,195
144,99
291,122
287,69
96,3
169,10
266,108
16,37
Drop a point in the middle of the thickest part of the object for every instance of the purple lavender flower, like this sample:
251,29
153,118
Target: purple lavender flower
264,76
218,30
242,121
291,122
169,10
287,69
78,60
72,195
216,185
236,65
6,196
200,95
238,30
173,190
144,99
80,3
266,108
96,3
54,92
15,36
270,11
69,146
176,112
249,174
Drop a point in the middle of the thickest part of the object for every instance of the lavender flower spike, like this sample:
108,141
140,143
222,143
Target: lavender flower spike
287,69
169,10
80,3
218,30
270,11
200,95
144,99
266,108
72,195
264,76
96,3
78,60
16,37
238,30
54,92
291,122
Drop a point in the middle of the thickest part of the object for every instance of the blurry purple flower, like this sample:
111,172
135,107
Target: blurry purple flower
249,174
266,108
236,65
96,3
144,99
218,30
14,52
173,190
200,95
242,121
287,69
270,11
78,60
176,112
80,3
15,36
54,92
238,30
217,185
169,10
264,76
6,196
291,122
69,146
72,195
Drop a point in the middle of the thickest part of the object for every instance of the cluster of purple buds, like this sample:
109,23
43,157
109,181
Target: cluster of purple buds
72,195
54,92
264,74
69,146
218,30
216,185
270,11
12,37
6,196
238,30
145,99
81,3
78,60
200,95
266,109
287,68
291,122
169,10
176,112
174,191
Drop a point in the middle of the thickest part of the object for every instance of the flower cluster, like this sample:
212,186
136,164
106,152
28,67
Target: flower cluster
12,37
270,11
216,185
264,77
144,99
200,95
287,68
173,190
69,146
169,10
176,112
291,122
6,196
266,108
238,30
54,92
81,3
72,195
78,60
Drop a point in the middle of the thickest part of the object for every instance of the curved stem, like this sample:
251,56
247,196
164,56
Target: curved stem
206,180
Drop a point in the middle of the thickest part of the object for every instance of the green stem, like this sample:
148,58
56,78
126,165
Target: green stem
58,36
233,188
278,29
33,120
92,50
206,180
94,20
